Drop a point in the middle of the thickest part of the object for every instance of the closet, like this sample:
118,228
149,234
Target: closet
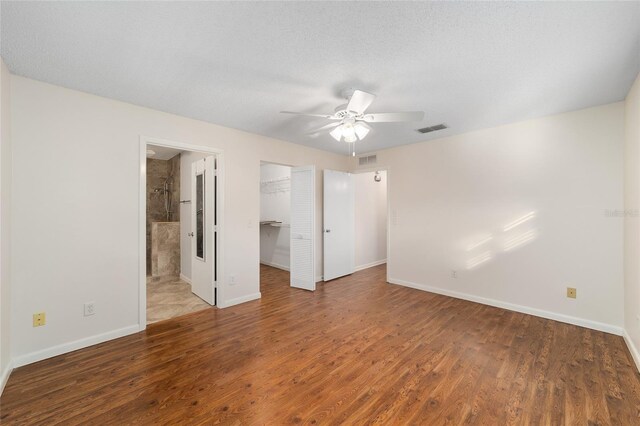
275,201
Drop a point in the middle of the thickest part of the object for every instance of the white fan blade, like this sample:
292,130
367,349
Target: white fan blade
360,101
326,127
330,117
390,117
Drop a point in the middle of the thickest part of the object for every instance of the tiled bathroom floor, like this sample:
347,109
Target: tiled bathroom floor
169,297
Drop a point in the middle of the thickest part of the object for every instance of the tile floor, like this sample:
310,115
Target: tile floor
169,297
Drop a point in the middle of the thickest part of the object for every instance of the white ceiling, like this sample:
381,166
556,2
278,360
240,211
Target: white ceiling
162,152
470,65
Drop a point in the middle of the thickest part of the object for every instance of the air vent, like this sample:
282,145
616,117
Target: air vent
432,128
367,160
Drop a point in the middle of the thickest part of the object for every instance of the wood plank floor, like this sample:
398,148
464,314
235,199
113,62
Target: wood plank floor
356,351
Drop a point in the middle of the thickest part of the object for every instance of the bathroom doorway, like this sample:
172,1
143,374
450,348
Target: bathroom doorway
182,231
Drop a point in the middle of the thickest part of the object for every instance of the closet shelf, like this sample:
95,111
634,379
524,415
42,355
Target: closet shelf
274,223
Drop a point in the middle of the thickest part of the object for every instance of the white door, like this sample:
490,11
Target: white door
303,205
339,224
203,229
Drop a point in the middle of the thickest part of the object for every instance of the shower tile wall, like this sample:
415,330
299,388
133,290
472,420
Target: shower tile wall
157,172
165,249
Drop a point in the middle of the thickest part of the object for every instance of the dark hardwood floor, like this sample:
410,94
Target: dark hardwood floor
356,351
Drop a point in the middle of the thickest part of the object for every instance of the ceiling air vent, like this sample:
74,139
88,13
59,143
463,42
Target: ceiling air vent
432,128
367,160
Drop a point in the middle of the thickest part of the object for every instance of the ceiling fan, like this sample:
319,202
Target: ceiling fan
351,122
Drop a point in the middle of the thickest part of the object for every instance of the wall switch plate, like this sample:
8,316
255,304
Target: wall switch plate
89,308
39,319
571,292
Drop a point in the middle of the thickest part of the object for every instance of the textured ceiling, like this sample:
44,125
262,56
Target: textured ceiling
470,65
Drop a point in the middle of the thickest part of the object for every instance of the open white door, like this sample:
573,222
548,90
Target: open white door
303,205
339,224
203,229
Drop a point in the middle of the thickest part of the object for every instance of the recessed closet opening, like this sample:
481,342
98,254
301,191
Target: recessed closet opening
275,213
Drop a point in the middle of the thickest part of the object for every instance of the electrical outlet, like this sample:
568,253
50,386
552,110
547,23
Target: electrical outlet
454,274
232,280
571,292
39,319
89,308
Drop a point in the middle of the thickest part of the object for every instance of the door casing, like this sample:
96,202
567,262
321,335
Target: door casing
142,218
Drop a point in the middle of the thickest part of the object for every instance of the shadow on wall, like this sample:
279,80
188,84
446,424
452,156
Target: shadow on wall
511,236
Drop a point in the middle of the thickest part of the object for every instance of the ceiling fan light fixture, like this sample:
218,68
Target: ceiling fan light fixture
362,129
349,121
350,138
349,133
336,133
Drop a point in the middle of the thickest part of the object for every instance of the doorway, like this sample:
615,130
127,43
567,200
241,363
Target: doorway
275,221
287,225
181,218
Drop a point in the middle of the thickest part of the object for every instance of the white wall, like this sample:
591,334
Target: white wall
5,224
449,195
371,219
632,221
186,159
75,207
275,204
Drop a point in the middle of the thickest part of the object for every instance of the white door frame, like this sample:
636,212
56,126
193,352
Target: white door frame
142,219
388,170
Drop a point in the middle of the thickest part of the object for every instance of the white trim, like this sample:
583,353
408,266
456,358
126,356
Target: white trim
370,265
274,265
73,346
5,375
632,348
239,300
185,278
142,206
142,237
594,325
319,278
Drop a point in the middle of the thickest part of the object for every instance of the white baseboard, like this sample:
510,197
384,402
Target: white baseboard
185,278
5,376
238,300
319,278
370,265
73,346
632,348
275,265
594,325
